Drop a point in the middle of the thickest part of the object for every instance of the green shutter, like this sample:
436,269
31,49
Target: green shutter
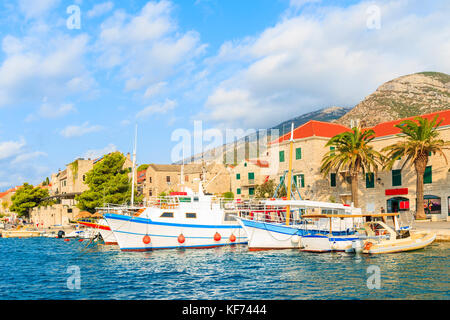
427,176
370,180
251,191
333,179
302,180
238,191
298,153
396,178
251,175
281,156
332,149
238,176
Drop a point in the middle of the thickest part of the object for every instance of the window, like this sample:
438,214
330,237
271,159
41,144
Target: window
168,178
298,153
251,176
396,178
332,150
238,176
251,191
69,210
150,180
333,180
300,180
245,164
84,178
150,193
167,215
191,215
370,180
427,176
281,156
238,191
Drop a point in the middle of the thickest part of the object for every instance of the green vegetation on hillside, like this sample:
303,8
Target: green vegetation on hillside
28,197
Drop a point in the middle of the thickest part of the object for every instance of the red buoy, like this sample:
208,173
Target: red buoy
181,238
217,237
232,238
81,240
66,239
146,239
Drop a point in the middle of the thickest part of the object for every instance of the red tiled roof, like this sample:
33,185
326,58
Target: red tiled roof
259,163
388,128
314,128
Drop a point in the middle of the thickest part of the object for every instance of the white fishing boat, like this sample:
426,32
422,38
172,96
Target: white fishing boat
182,220
266,225
278,223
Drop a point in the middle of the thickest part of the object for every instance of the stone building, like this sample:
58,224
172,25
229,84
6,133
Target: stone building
247,175
393,190
159,178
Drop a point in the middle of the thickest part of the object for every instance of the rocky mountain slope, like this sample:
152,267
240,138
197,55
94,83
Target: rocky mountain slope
406,96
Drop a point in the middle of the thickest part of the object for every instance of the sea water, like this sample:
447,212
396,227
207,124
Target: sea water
46,268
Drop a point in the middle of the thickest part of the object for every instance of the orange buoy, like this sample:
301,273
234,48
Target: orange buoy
181,238
217,237
146,239
368,245
81,240
66,239
232,238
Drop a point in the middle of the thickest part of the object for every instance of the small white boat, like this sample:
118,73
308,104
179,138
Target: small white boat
102,227
379,238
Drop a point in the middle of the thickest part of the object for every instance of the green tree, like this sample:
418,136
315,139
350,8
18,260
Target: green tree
228,195
352,152
420,140
142,167
108,183
266,190
26,198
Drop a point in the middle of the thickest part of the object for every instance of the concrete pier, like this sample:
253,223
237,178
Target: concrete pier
441,228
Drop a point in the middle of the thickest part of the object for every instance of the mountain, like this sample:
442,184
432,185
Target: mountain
325,114
217,154
403,97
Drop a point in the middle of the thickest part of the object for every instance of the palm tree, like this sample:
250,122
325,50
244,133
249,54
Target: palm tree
421,139
353,153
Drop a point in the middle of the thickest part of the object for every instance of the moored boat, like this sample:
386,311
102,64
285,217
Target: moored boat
102,227
182,220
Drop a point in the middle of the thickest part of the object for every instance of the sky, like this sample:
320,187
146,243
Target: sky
77,76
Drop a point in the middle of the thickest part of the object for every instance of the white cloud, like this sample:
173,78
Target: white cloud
49,111
322,58
147,48
11,148
36,8
35,67
78,131
28,156
157,108
97,153
100,9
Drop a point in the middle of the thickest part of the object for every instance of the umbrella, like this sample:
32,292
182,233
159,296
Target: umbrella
97,215
83,214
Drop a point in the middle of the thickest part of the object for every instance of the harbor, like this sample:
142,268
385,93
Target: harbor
222,273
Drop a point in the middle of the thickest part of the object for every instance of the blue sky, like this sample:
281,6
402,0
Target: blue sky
68,93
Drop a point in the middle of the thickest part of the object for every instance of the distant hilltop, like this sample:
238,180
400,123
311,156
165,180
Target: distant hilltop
406,96
403,97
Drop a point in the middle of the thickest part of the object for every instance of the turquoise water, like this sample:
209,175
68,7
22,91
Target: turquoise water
37,268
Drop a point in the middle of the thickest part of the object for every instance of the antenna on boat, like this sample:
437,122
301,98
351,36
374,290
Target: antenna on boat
291,143
134,167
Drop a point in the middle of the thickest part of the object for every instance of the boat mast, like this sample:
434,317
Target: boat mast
291,143
134,168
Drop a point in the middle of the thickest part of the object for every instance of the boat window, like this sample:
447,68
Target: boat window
229,217
167,215
196,199
191,215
